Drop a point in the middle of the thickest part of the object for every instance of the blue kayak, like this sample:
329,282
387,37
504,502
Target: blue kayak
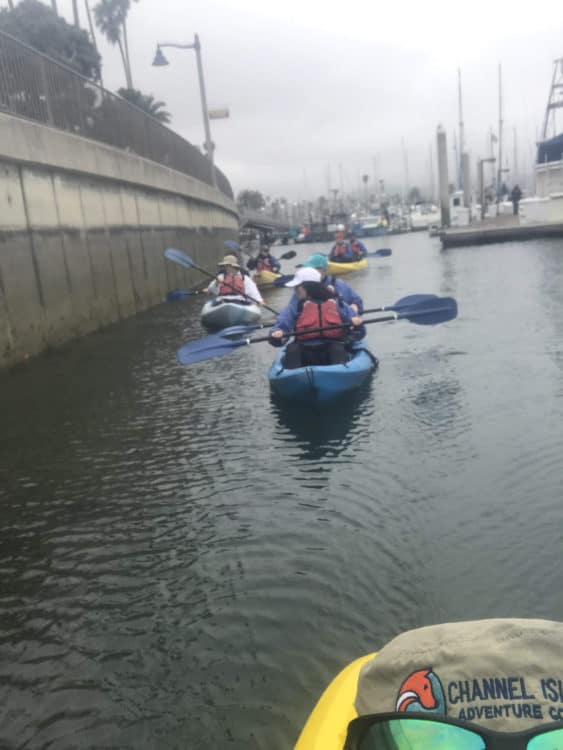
322,382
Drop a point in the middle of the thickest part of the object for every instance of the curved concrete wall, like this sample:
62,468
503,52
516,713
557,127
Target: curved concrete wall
82,230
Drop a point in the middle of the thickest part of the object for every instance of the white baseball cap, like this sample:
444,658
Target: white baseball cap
304,274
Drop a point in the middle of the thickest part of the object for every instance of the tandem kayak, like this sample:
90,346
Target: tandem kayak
327,725
341,268
223,312
265,278
321,382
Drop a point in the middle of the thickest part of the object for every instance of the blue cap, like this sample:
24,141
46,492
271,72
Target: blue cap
317,260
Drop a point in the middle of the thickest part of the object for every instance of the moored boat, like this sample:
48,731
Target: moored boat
341,268
322,382
223,312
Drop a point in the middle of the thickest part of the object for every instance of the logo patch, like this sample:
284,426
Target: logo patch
422,691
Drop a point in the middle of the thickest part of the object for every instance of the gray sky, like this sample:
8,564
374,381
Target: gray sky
311,84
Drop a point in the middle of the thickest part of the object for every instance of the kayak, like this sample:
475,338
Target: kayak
222,312
340,268
321,382
326,726
265,278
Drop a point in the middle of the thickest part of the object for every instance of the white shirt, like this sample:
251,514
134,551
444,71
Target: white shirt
250,289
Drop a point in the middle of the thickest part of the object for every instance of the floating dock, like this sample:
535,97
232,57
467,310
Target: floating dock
498,229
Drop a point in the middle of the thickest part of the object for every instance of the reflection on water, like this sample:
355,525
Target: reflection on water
185,563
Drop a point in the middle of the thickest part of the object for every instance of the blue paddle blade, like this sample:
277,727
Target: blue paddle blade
232,245
179,294
431,312
233,331
207,348
411,300
385,252
282,280
177,256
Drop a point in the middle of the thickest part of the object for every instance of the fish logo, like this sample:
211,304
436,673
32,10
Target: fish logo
422,691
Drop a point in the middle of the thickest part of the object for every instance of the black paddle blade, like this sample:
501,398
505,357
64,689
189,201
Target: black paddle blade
180,294
385,252
289,255
232,245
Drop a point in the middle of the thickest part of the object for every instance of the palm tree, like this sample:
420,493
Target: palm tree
147,103
111,18
54,6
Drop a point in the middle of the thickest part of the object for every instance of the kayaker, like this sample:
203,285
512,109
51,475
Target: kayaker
264,261
335,285
359,250
316,308
341,251
231,282
503,676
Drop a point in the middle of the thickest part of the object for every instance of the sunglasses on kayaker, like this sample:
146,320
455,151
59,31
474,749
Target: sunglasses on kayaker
393,731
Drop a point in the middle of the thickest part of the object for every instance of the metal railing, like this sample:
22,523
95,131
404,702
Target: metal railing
39,88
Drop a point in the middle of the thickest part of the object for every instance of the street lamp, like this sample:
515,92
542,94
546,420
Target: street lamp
160,60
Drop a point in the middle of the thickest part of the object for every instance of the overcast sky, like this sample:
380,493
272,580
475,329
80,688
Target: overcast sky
314,84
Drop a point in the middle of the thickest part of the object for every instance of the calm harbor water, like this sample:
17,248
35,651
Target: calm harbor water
183,564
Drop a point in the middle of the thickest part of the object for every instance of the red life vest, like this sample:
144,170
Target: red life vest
232,283
263,264
317,315
339,250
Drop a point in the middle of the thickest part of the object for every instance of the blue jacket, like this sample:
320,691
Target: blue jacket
287,319
361,247
348,256
342,290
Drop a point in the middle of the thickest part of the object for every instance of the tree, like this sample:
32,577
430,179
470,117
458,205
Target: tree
37,25
251,200
147,103
111,19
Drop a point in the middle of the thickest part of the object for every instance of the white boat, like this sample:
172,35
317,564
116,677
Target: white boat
223,312
423,216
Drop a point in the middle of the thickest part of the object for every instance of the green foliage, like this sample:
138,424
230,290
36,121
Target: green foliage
252,200
36,24
147,103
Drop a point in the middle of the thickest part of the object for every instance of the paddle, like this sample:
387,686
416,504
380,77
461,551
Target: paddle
178,294
433,311
177,256
385,252
232,245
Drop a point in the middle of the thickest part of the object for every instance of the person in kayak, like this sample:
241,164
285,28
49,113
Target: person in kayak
233,284
359,250
341,251
335,285
316,308
264,261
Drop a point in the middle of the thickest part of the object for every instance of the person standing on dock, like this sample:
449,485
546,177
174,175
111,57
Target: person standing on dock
515,197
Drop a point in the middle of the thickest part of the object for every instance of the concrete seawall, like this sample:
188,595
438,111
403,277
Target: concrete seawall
82,230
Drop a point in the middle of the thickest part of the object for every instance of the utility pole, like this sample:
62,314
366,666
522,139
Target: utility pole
499,174
461,132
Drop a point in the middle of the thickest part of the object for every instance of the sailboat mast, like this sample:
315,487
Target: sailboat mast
499,173
461,131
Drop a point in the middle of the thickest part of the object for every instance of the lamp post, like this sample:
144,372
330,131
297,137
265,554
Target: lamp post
160,60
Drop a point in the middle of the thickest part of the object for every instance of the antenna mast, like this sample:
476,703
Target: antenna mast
499,173
555,98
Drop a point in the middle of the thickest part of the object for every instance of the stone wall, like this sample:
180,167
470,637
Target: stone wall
83,227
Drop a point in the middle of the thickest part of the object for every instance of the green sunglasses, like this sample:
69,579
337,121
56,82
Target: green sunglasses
392,731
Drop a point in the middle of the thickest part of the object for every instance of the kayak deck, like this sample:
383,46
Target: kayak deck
321,382
337,269
265,278
222,313
327,725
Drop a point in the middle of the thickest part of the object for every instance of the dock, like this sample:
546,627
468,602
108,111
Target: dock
498,229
